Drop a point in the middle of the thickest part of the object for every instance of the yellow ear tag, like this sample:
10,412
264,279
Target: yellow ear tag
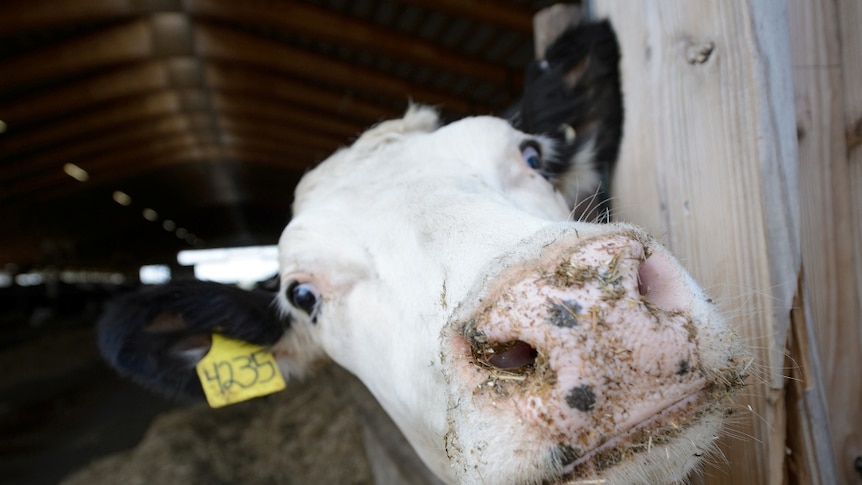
234,371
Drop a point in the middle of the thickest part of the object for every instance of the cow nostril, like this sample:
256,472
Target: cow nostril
643,289
660,283
644,280
512,355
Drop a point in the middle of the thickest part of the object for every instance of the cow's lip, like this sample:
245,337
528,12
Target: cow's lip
691,405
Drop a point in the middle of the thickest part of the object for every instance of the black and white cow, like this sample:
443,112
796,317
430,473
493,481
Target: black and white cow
509,341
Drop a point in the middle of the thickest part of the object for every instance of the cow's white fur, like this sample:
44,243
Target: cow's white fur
452,199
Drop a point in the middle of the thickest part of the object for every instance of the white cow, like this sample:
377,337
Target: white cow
508,342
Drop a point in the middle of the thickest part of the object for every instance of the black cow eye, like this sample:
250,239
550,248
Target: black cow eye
532,154
303,296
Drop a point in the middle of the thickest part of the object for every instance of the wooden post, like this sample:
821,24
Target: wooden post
709,165
827,78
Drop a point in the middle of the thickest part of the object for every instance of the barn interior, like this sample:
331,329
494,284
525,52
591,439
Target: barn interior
133,130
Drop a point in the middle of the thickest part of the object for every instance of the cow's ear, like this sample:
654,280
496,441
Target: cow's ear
157,335
573,96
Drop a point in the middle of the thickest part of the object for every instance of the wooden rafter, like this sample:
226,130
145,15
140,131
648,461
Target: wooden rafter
142,92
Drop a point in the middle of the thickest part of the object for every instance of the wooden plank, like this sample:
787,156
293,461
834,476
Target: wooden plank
848,344
827,219
810,458
708,163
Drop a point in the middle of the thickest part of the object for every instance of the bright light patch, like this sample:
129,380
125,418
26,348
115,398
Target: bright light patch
2,126
150,215
232,265
28,279
122,198
73,276
5,279
76,172
169,225
155,274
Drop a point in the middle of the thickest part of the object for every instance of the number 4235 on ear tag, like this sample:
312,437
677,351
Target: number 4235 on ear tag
234,371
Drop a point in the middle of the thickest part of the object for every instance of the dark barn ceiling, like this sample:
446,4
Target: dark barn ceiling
207,112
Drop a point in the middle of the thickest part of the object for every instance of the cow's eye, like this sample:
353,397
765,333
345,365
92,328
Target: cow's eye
303,296
532,154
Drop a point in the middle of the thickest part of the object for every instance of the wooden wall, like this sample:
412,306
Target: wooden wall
826,48
742,153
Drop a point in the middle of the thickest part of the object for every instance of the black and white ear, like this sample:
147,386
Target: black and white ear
573,96
157,335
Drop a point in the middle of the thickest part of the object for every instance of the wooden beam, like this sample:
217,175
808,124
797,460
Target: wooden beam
136,109
266,110
125,138
177,153
114,85
826,73
169,34
26,15
333,27
809,456
101,165
127,125
171,85
225,44
708,163
850,450
259,153
256,79
150,152
286,125
239,127
149,107
156,36
486,11
305,19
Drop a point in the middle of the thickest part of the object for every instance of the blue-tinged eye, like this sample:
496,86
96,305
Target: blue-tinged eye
531,154
303,296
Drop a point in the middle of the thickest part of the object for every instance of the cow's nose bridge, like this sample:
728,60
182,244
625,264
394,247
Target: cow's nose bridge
588,346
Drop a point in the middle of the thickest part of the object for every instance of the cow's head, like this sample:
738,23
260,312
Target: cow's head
510,343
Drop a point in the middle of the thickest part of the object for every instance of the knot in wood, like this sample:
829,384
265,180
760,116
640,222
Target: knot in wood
699,53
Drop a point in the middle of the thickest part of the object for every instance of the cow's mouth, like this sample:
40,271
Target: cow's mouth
653,432
652,437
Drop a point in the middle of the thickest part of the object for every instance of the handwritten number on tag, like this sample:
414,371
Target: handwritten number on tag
235,371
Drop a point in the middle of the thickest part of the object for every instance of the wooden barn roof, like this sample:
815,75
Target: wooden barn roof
205,113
